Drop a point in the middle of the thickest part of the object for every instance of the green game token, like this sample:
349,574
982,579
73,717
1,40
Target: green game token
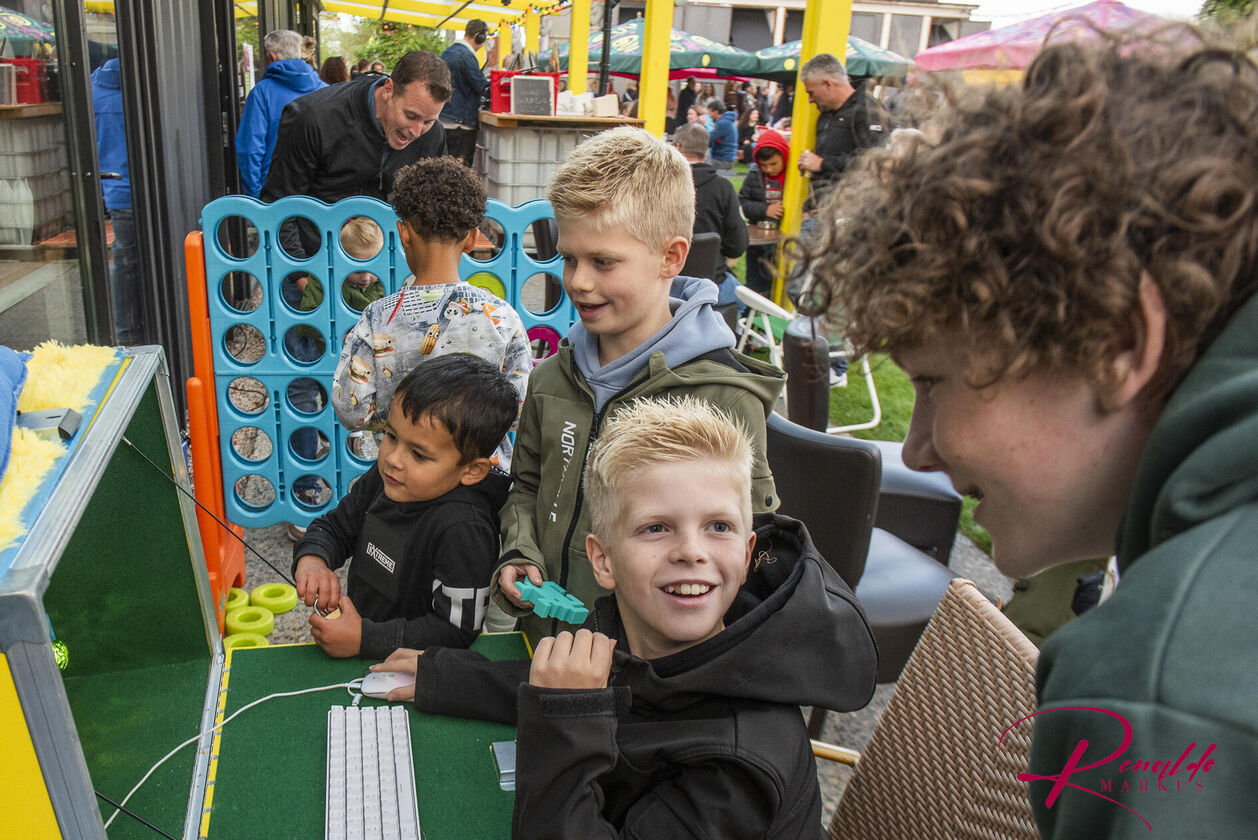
61,653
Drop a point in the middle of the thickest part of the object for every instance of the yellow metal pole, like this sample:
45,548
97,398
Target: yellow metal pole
532,32
653,80
504,43
826,26
579,46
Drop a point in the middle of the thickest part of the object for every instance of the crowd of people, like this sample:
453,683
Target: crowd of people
1066,270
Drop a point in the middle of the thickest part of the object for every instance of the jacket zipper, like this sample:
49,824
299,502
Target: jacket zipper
580,500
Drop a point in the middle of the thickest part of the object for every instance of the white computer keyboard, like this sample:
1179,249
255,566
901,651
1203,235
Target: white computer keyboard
371,777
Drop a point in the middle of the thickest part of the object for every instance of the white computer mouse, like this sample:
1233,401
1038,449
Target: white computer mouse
379,683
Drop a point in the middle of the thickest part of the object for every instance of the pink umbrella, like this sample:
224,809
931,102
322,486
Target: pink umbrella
1012,47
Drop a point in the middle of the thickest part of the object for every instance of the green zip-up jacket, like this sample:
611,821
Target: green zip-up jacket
545,520
1173,652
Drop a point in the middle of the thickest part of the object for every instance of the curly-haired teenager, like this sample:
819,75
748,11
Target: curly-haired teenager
1067,275
439,205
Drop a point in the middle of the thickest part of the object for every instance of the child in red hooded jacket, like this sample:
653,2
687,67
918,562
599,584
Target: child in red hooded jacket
761,200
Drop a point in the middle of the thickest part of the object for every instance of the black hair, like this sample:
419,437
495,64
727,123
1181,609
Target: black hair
439,198
470,397
762,153
477,30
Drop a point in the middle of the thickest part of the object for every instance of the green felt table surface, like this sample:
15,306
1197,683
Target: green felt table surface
270,774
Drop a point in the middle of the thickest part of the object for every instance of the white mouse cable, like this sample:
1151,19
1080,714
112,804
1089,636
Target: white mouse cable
349,686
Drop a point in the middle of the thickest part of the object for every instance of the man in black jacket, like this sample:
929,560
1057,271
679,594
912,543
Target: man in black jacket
351,139
850,122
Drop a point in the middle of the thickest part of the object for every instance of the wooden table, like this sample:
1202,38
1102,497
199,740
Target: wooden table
757,235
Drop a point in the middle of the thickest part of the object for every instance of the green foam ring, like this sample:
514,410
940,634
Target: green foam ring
237,597
276,597
249,620
488,282
61,653
244,640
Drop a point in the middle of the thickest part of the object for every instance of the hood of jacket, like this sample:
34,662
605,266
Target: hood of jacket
695,329
293,73
795,634
771,139
1201,460
703,174
729,117
108,76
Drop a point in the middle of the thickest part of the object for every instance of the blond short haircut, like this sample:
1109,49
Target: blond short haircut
361,238
625,178
649,432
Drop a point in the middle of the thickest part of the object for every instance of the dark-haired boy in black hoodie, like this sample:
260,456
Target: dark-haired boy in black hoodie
422,525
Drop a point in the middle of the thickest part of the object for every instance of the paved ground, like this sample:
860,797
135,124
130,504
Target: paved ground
849,730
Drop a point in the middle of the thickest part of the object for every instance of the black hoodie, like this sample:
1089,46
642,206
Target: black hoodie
716,210
706,742
421,570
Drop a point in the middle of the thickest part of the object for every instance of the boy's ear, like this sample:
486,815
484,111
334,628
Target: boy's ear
675,253
475,472
597,553
469,241
1139,354
404,233
751,546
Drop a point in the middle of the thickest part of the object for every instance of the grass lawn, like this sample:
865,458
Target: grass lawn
895,393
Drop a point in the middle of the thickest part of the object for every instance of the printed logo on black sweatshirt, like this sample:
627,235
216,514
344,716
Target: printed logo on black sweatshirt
380,557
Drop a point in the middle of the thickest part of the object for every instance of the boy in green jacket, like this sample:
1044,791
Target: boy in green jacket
624,202
1068,277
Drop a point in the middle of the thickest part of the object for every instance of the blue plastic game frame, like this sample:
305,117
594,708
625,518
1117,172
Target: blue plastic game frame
505,274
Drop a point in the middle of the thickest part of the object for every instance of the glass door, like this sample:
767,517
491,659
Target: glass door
56,276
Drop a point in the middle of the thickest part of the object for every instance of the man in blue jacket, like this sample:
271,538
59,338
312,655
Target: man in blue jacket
287,77
460,116
111,151
724,139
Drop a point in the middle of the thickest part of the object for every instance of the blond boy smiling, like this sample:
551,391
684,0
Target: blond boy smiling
625,203
674,712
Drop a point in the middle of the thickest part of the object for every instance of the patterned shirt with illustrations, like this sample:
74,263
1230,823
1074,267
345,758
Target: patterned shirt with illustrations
398,332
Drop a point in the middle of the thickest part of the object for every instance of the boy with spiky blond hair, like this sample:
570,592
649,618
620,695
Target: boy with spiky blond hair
677,704
624,202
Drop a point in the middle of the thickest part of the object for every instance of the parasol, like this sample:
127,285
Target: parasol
686,50
863,59
1014,46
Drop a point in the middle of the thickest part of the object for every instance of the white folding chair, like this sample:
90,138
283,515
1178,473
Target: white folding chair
757,326
762,327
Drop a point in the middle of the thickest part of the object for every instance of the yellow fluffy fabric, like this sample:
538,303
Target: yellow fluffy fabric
56,377
30,461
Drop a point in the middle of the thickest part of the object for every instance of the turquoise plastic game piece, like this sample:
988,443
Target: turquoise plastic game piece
551,601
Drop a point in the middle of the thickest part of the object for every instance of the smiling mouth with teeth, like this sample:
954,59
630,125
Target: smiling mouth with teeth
688,589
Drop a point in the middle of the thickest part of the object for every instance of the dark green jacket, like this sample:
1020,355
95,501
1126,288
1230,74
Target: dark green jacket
1174,651
545,520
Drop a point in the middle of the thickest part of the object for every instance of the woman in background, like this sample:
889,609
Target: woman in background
334,70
